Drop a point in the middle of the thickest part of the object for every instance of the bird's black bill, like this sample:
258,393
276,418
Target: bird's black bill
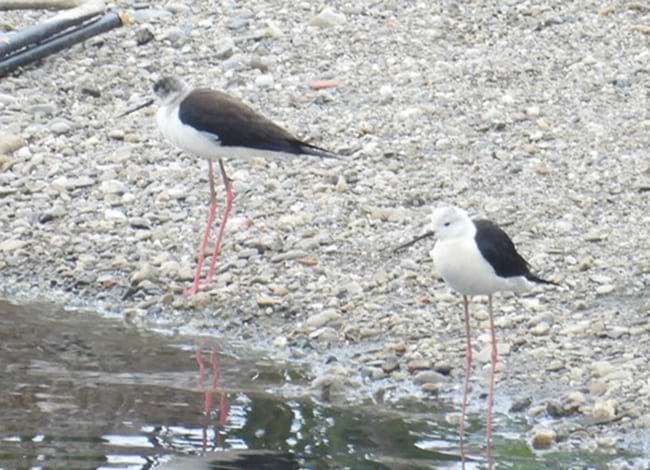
414,241
137,108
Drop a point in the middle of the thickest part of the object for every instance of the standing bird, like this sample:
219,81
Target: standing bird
476,257
214,125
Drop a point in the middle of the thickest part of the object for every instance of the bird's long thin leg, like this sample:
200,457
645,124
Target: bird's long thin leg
204,243
468,368
224,220
493,357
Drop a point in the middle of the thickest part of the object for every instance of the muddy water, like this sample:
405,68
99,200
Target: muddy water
80,391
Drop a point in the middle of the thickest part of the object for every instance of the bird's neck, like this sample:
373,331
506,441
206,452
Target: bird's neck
175,98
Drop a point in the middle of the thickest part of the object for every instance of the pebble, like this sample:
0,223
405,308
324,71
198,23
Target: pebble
605,289
115,215
598,388
533,111
603,411
116,134
543,438
320,319
175,35
170,269
602,368
7,99
60,127
341,185
112,187
418,364
236,62
200,300
225,49
432,388
520,405
12,245
328,18
429,376
9,143
325,334
264,81
143,36
144,272
51,214
289,255
540,329
176,7
555,409
555,365
264,300
42,109
323,84
273,30
280,342
575,400
390,364
376,373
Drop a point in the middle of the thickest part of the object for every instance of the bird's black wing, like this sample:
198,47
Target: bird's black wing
497,248
236,125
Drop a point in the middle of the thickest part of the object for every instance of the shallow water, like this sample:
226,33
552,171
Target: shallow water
81,391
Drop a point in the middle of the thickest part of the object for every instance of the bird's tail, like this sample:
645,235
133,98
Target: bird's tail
539,280
310,149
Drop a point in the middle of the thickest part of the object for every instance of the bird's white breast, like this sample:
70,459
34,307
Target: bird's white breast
186,137
460,263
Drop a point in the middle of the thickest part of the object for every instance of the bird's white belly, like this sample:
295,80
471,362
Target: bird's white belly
203,144
461,265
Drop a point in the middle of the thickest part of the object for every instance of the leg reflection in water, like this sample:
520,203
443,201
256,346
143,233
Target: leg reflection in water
208,393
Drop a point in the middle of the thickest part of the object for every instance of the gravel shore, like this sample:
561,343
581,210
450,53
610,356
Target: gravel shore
534,114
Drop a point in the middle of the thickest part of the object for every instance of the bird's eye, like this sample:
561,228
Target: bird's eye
447,224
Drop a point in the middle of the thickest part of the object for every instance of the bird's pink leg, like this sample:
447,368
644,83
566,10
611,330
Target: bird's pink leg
468,368
224,220
493,357
204,243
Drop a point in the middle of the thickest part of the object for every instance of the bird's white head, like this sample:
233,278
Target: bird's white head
169,88
451,222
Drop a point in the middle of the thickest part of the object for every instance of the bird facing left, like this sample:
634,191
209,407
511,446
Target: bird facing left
213,125
476,257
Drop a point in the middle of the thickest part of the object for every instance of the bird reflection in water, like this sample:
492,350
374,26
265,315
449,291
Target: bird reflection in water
209,392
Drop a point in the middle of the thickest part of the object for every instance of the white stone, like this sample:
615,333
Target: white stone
328,18
114,215
12,245
264,81
112,187
320,319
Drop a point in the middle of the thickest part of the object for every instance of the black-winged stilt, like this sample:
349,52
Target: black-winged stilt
214,126
476,257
